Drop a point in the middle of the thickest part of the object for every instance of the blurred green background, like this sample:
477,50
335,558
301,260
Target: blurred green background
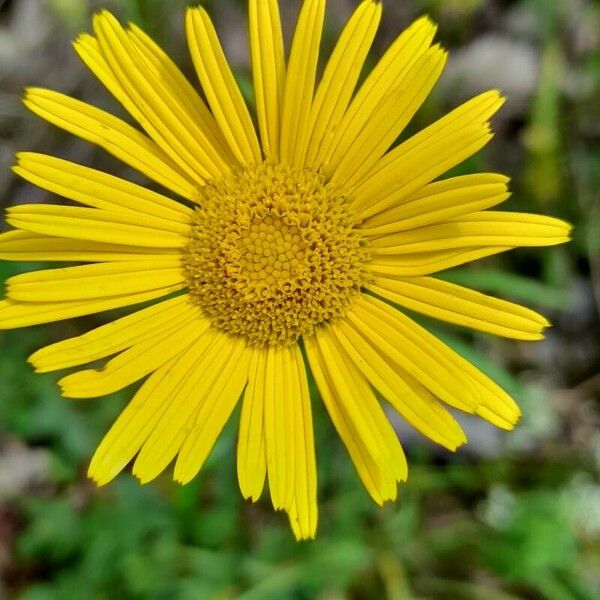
512,515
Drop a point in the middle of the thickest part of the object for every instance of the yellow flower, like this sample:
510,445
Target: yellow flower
289,244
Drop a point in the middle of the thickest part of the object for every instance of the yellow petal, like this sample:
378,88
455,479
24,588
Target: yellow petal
95,188
480,392
384,78
425,263
339,376
115,336
213,412
159,109
276,417
134,363
300,80
183,90
268,70
96,225
426,155
401,390
251,456
496,406
95,281
358,418
439,201
486,228
278,428
207,363
366,467
89,51
303,511
114,135
15,314
394,113
339,79
27,246
405,344
388,440
460,305
136,422
477,110
390,186
219,85
155,60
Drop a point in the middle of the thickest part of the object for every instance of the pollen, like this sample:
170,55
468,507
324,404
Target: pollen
273,252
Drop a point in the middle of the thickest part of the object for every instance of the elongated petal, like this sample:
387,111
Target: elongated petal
404,344
384,78
303,511
394,113
426,155
96,225
183,90
340,78
341,381
268,70
300,80
213,412
95,188
477,110
480,393
114,135
152,58
386,441
136,422
439,201
134,363
401,389
211,356
495,405
115,336
425,263
486,228
95,281
288,433
278,428
88,49
14,314
219,85
358,418
20,245
460,305
161,112
251,454
420,166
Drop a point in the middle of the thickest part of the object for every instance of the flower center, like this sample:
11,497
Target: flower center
272,253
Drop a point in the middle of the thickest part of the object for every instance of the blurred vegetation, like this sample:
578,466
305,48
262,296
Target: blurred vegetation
513,515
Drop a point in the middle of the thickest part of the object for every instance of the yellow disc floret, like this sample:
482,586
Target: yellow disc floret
273,252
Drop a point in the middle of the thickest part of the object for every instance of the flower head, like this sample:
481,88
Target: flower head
273,250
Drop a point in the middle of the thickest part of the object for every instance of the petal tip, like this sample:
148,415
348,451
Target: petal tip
38,365
99,476
143,478
425,20
180,475
28,92
104,14
79,40
93,478
20,157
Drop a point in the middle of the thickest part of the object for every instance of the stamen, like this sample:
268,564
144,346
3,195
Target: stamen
273,252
